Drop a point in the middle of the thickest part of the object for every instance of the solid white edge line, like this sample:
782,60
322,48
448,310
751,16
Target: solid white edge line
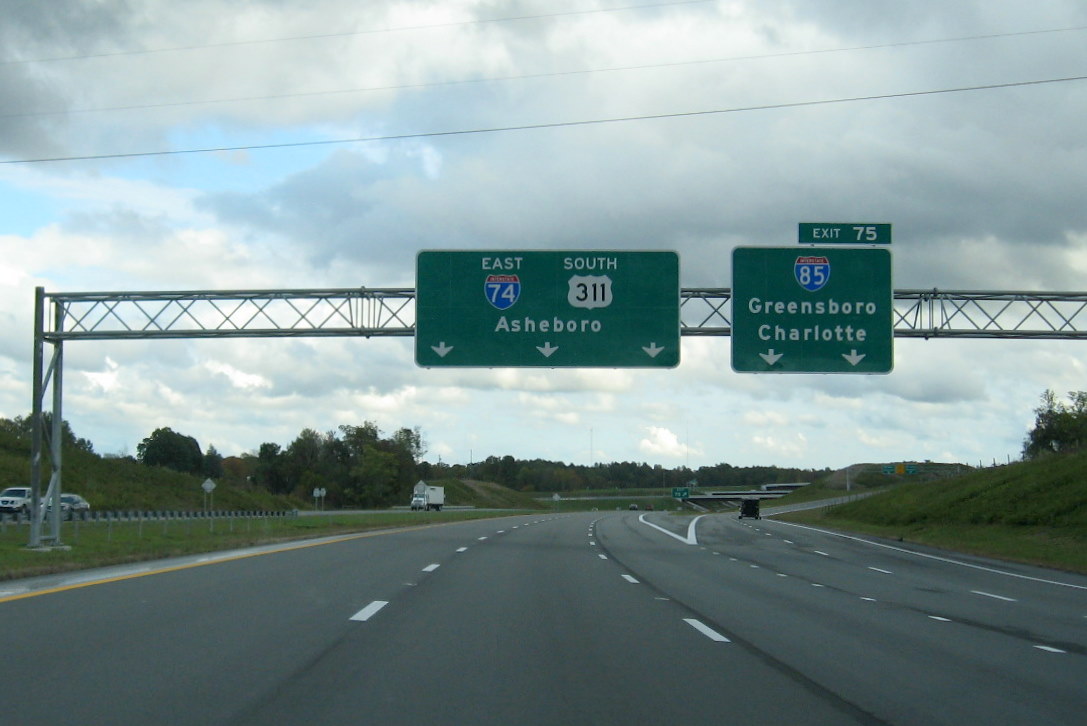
936,557
369,611
995,597
706,630
690,539
1050,649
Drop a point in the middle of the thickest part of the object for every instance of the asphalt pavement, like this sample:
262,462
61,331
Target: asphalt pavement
588,618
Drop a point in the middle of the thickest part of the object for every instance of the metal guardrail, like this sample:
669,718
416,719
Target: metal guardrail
138,515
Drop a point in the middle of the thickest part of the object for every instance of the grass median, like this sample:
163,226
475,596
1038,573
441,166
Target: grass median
99,544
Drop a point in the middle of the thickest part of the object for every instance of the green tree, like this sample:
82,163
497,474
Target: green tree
21,427
1059,428
213,463
270,471
166,447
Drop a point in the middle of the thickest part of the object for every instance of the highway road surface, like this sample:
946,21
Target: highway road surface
593,618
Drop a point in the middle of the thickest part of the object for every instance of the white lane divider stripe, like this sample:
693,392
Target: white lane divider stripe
462,549
690,539
706,630
431,568
995,597
369,611
630,579
885,572
1050,649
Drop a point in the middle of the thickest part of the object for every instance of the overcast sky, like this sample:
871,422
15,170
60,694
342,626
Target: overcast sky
986,191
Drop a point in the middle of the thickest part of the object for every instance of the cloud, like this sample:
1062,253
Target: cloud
661,442
984,190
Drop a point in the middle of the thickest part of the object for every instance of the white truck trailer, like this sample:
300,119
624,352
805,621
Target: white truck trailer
427,497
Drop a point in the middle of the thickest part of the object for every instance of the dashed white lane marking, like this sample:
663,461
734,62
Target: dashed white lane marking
630,579
816,584
603,557
706,630
462,549
1050,649
885,572
482,538
787,541
592,544
995,597
819,552
937,617
431,567
868,599
369,611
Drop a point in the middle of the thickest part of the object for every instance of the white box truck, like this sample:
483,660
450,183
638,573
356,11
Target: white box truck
427,497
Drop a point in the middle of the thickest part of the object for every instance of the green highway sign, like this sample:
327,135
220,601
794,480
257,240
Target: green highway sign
844,233
812,310
547,309
680,492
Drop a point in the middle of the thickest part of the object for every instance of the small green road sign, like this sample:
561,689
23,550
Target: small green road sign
844,233
680,492
812,310
547,309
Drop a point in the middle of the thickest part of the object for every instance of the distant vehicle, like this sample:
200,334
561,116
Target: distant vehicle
15,499
633,507
749,508
649,507
73,505
427,497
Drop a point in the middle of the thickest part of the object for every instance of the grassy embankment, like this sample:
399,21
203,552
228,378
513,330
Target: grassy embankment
119,484
99,544
1033,512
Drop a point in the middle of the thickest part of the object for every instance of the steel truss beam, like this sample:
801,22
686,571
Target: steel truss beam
374,312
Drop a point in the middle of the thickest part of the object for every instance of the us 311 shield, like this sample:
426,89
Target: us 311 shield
812,273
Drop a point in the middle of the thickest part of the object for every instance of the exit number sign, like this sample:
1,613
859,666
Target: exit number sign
844,233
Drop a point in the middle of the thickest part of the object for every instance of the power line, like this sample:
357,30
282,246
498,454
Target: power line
350,33
536,76
539,126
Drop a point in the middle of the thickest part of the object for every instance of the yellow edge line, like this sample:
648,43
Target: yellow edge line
246,555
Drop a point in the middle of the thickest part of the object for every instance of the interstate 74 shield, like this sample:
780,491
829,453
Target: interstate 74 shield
502,291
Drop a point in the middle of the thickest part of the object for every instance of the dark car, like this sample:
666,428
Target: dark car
750,508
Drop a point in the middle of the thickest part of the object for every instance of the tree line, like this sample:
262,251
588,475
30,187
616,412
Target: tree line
359,466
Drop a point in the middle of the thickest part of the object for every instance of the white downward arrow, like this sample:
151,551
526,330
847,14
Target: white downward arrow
853,357
441,349
547,349
771,357
653,350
